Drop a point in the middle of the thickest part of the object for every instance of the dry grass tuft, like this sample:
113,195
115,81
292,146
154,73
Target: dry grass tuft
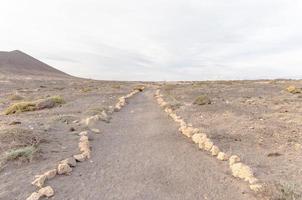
58,100
139,88
85,90
24,153
202,100
20,107
293,89
34,105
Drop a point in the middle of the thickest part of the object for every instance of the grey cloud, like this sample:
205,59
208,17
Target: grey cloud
159,39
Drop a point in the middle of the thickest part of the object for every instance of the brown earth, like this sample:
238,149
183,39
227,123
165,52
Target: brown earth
258,120
52,131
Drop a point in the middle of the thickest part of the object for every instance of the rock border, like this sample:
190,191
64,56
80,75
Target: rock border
64,167
238,168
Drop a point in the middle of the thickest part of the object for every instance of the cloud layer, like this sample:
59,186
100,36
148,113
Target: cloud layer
159,39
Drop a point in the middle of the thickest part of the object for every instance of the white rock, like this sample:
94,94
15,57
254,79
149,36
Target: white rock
215,150
208,145
80,157
64,168
234,159
34,196
222,156
242,171
198,137
39,181
95,130
70,161
46,192
50,174
83,133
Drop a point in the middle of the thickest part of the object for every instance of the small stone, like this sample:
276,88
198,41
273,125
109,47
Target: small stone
215,150
83,133
242,171
222,156
188,131
70,161
80,157
50,174
34,196
234,159
208,145
84,138
39,181
84,146
95,130
64,168
201,146
253,180
71,129
46,192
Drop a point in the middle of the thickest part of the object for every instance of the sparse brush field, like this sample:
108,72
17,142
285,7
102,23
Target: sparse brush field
261,121
40,120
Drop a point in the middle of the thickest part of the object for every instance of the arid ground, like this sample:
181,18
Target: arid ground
138,152
258,120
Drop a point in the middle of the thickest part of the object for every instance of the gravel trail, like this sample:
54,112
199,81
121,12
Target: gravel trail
141,155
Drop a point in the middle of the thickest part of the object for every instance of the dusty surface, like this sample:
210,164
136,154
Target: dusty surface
141,155
257,120
52,126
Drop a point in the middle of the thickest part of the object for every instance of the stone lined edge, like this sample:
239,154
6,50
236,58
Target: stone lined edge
238,168
65,166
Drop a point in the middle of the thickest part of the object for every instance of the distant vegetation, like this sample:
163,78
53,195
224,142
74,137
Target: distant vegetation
202,100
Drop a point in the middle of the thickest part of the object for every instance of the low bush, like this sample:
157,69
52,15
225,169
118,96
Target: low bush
294,90
24,153
202,100
34,105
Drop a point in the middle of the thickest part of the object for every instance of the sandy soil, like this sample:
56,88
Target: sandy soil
258,120
52,127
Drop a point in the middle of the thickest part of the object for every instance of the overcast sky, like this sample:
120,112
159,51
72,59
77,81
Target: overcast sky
158,39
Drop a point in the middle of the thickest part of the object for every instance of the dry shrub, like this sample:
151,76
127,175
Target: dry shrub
20,107
202,100
116,86
139,88
34,105
293,89
17,144
23,153
86,90
17,137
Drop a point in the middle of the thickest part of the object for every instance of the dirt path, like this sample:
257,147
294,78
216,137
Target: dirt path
140,155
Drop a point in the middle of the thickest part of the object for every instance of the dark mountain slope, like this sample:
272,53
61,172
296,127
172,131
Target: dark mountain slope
18,63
